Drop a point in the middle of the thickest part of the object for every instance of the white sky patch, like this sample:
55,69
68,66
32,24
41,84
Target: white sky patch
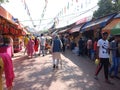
17,9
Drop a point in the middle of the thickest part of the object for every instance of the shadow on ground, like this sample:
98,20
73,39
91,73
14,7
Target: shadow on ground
76,74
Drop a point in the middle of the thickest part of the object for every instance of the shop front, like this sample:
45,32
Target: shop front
10,29
113,27
93,28
75,32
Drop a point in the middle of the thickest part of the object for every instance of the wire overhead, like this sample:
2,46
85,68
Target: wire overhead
28,12
42,15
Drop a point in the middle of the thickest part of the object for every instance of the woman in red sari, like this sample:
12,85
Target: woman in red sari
36,45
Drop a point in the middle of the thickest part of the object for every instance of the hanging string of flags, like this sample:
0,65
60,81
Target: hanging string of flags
43,13
63,13
72,4
28,12
76,5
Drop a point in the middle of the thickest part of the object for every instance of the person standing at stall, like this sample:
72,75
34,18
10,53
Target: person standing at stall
63,42
95,47
115,49
89,47
81,46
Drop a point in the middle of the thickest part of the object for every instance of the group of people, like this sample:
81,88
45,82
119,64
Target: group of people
104,50
57,45
88,47
32,45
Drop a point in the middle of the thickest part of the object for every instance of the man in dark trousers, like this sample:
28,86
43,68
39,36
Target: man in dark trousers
63,42
81,46
103,56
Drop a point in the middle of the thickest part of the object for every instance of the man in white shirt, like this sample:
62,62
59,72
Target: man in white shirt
103,56
42,44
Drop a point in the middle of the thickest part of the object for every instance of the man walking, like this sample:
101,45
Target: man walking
42,44
56,51
103,56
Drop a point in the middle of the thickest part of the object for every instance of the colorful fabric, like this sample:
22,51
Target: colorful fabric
26,40
6,49
36,45
30,47
8,69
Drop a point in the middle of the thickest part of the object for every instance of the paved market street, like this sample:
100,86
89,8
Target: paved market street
77,73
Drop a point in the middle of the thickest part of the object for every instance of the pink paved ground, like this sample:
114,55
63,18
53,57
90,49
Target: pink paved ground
77,73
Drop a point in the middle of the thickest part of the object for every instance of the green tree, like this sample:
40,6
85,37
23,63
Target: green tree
106,7
3,1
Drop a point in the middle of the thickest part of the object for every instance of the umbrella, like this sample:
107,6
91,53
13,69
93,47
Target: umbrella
116,29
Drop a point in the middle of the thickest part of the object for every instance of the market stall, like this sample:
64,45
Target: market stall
93,28
13,31
114,26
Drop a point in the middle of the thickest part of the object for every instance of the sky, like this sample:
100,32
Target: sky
54,7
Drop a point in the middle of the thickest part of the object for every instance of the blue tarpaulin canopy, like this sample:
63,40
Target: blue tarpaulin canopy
98,23
117,16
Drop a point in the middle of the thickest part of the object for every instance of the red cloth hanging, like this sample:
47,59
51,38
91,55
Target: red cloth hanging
6,30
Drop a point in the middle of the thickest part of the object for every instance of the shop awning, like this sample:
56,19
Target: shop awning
116,29
98,23
117,16
62,31
26,32
111,25
75,29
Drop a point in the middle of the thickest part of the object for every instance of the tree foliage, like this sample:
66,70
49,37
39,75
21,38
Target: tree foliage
3,1
106,7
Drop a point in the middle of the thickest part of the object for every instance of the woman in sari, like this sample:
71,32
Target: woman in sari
30,47
6,66
36,45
